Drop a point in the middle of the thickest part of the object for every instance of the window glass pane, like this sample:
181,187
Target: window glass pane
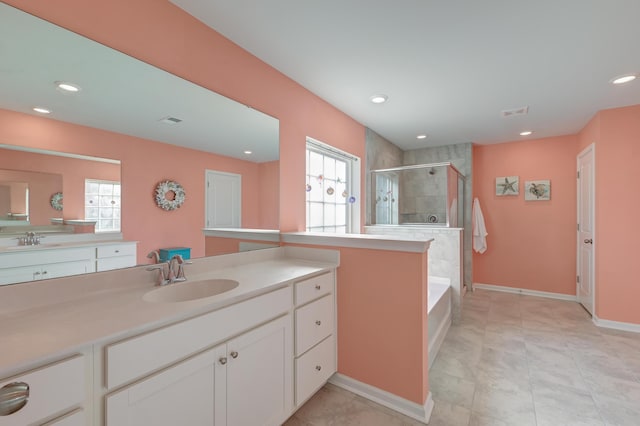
329,214
329,191
315,164
341,214
341,170
316,214
329,168
316,190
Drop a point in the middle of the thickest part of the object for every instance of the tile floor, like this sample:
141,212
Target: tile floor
512,360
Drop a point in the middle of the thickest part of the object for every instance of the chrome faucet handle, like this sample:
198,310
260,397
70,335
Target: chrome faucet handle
176,276
162,277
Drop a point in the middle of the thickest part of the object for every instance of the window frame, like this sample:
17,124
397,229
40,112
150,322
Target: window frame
352,221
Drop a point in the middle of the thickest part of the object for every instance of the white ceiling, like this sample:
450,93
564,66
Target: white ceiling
120,93
449,67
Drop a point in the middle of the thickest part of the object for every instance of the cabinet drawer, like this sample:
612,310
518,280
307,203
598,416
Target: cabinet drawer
52,389
314,322
313,288
143,354
314,368
109,263
113,250
44,256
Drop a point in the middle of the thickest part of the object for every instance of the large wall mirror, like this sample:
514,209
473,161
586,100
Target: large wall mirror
138,124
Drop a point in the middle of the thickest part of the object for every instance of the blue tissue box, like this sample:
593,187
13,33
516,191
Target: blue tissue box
167,253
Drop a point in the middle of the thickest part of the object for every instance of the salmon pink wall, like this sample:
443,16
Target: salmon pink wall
163,35
144,163
382,320
269,178
615,133
531,244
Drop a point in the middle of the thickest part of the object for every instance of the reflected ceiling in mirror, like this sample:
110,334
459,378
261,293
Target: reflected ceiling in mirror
121,94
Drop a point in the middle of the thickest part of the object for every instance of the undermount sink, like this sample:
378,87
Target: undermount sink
190,290
31,247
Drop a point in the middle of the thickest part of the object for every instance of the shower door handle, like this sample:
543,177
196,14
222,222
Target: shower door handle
588,241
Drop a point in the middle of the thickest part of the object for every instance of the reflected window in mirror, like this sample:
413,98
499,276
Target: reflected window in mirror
102,204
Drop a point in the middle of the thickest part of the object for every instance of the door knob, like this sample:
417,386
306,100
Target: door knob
588,241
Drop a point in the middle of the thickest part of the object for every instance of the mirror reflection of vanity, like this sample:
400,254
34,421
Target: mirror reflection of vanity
150,125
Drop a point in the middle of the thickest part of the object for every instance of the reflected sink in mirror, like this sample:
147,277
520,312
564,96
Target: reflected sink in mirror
190,290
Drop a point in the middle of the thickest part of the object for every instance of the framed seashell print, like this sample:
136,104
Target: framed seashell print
507,185
537,190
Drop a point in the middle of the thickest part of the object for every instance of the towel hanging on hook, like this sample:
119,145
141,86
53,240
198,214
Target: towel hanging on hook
479,228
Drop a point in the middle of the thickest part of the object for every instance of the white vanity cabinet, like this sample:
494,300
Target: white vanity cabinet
315,343
115,256
245,380
54,395
31,265
26,263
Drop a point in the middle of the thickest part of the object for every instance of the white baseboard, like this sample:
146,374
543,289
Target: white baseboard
418,412
525,291
616,325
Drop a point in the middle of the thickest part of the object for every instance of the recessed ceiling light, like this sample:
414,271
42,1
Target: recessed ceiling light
423,136
379,99
42,110
248,152
67,87
526,133
624,79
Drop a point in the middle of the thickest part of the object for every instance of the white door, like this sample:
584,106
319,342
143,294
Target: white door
223,200
260,375
586,224
184,394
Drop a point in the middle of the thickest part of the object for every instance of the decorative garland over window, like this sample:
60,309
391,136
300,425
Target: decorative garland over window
169,186
56,201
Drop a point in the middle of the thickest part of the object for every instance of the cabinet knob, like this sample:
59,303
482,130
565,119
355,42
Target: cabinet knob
117,251
318,322
318,367
234,354
223,360
44,272
13,397
318,287
36,273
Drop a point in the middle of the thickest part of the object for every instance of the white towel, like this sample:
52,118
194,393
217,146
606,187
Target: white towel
479,230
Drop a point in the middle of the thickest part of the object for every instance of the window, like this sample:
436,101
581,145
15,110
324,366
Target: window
102,204
333,179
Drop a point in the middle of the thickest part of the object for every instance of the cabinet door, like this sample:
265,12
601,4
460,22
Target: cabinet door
259,375
63,269
20,274
184,394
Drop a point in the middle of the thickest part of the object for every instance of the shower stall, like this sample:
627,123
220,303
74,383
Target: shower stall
423,194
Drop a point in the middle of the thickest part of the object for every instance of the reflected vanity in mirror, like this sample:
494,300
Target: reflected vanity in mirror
141,123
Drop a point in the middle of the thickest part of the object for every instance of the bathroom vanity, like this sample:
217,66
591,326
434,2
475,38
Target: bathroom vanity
250,355
21,263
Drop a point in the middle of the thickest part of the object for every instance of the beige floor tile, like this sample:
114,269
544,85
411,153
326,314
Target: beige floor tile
450,389
445,414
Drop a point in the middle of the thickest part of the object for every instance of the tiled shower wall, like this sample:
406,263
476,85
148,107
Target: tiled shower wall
381,154
460,156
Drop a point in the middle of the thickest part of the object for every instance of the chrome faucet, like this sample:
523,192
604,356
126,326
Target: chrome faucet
30,239
173,273
176,269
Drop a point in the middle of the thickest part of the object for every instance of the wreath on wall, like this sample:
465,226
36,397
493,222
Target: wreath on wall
56,201
169,195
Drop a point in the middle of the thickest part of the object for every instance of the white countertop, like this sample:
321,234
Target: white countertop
44,331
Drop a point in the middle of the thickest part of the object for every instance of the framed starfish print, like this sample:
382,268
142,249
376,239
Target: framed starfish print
507,185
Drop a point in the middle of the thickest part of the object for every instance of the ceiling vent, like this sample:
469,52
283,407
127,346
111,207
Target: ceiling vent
515,112
170,120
